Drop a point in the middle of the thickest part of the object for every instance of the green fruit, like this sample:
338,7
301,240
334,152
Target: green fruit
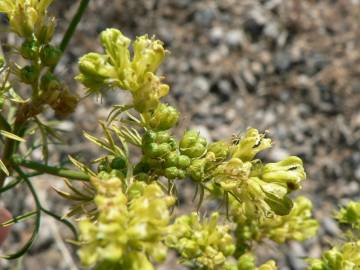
29,74
118,163
29,49
50,55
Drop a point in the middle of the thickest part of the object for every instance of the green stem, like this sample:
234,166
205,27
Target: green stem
57,171
73,24
35,232
9,149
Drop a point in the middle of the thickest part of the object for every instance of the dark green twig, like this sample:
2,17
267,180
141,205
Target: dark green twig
73,24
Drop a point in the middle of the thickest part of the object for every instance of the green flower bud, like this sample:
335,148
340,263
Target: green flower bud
269,265
289,172
157,144
246,262
193,144
29,49
183,161
196,170
174,173
250,145
29,74
350,215
220,149
176,160
164,117
118,163
155,150
116,46
50,55
95,72
316,264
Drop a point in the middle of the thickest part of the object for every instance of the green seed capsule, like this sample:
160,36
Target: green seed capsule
49,82
29,74
171,172
192,144
29,49
183,161
196,170
50,55
171,160
220,149
164,117
118,163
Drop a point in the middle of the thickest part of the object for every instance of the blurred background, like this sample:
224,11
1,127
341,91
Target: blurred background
288,66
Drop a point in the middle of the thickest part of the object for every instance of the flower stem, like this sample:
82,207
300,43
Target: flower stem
57,171
73,24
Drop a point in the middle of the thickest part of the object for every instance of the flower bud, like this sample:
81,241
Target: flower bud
269,265
116,46
196,170
50,55
46,32
350,215
250,145
174,173
246,262
176,160
95,71
29,49
157,144
220,149
164,117
193,144
289,171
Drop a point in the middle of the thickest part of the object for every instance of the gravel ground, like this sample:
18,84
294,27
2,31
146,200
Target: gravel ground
290,67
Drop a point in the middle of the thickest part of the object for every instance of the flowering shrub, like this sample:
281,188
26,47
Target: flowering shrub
124,212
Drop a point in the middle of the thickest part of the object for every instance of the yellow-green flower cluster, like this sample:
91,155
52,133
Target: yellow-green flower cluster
350,215
201,245
262,188
347,257
130,226
297,225
247,262
116,68
28,17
